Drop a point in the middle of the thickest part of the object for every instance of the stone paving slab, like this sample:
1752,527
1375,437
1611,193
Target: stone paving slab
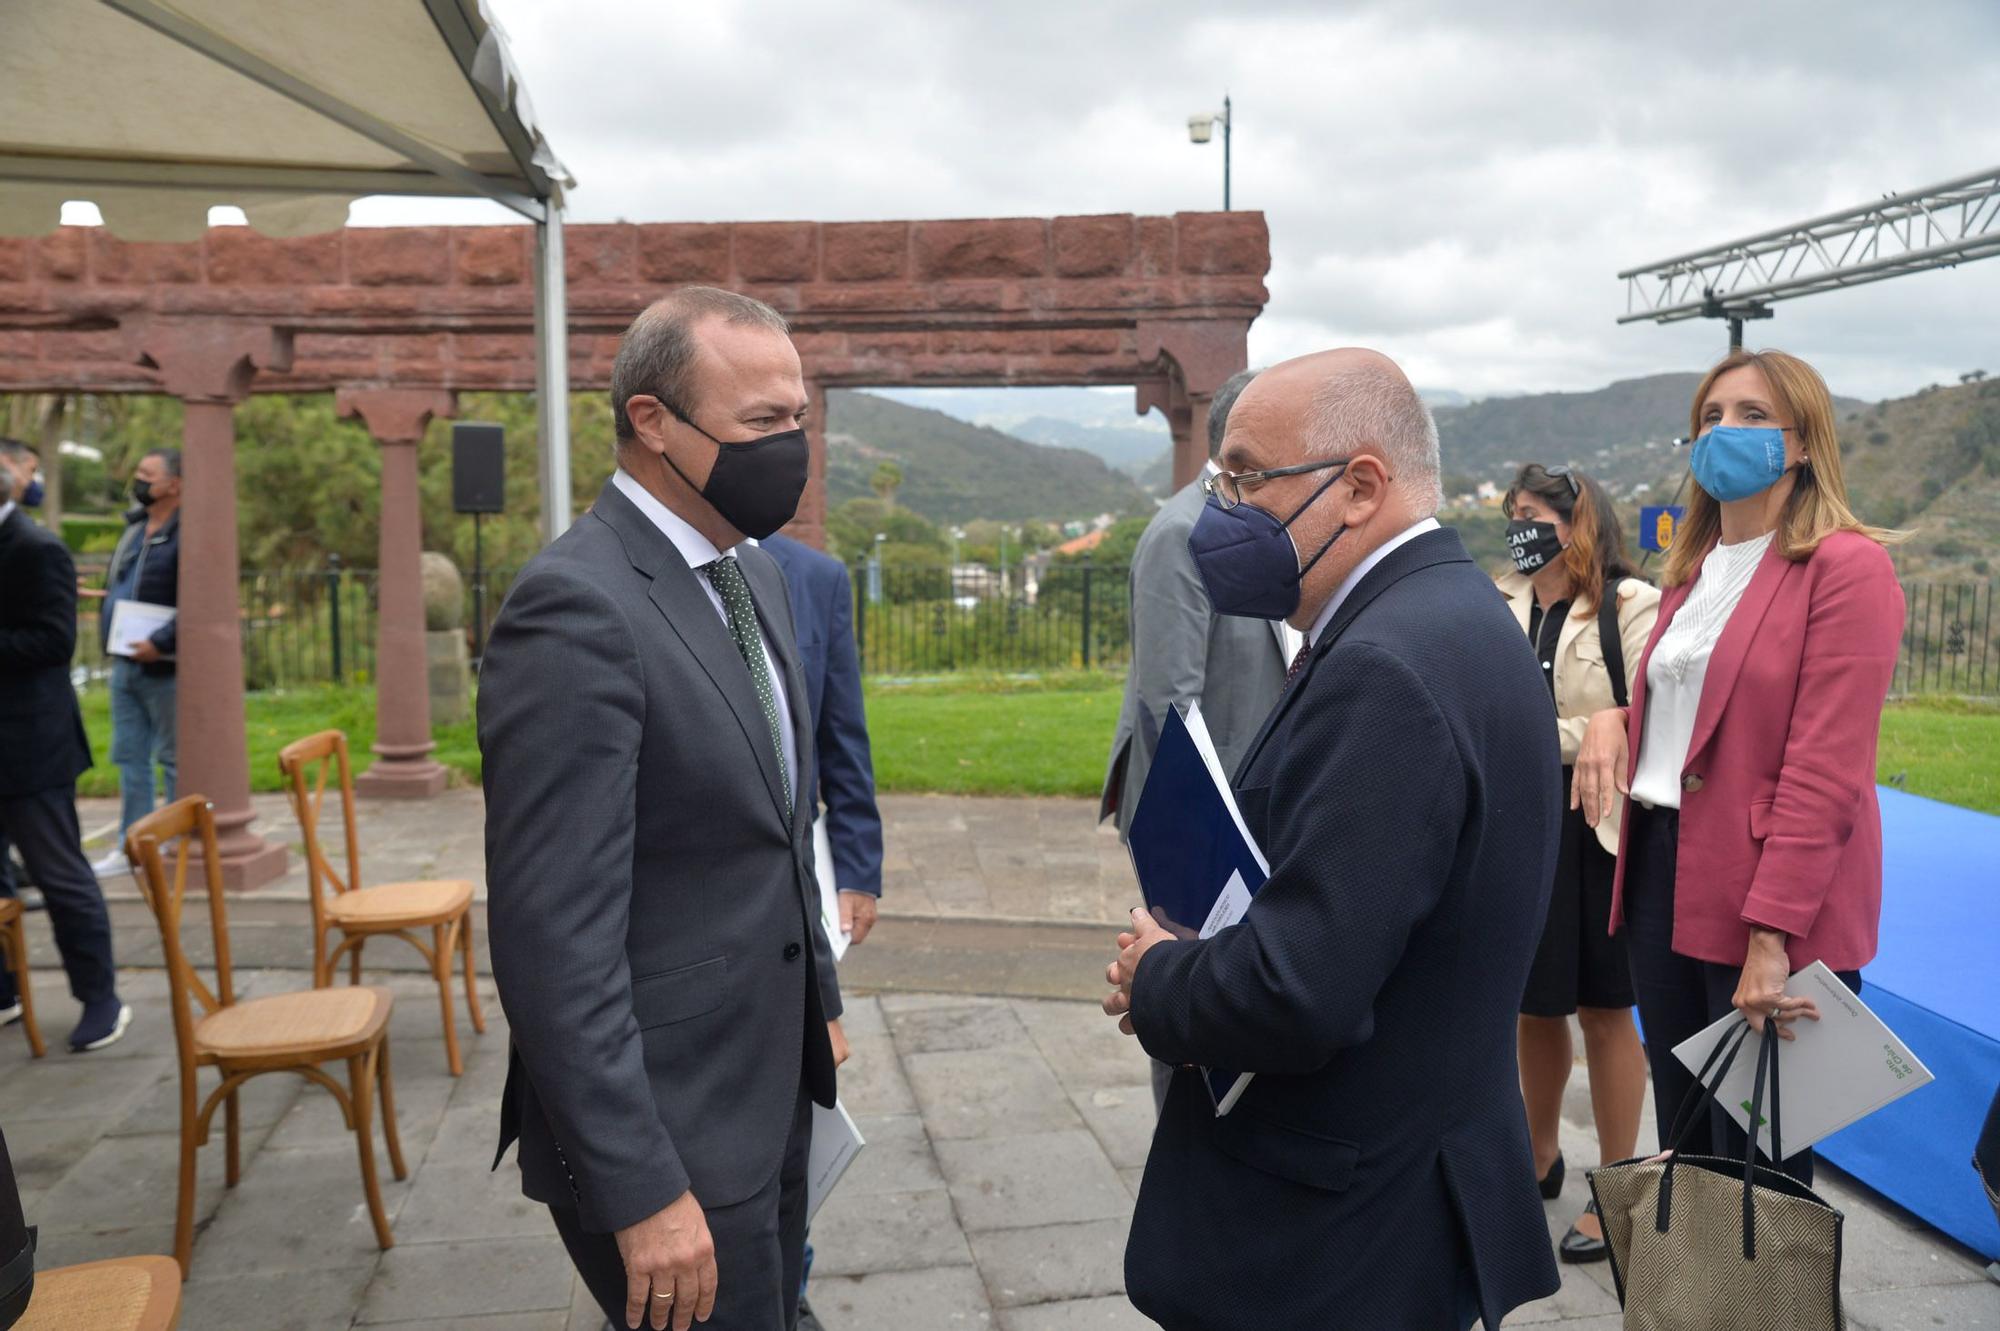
1008,1120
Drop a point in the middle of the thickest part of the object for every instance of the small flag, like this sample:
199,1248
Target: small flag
1657,525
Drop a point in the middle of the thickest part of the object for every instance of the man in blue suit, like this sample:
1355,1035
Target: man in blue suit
1377,1172
823,611
823,617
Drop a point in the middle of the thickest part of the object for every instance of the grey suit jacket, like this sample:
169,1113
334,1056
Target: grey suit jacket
1183,650
653,921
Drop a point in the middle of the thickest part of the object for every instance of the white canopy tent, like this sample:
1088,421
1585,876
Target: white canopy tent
158,111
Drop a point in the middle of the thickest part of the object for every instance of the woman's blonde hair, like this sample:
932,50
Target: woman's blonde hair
1817,507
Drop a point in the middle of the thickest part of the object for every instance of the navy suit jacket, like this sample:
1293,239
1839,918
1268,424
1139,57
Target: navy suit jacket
823,613
1377,1173
42,744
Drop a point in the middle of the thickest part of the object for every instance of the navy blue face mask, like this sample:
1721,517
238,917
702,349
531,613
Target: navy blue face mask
1246,558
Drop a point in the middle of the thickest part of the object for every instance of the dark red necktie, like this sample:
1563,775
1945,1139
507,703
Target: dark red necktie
1298,664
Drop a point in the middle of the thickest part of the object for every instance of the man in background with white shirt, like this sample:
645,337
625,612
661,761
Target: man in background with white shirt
1182,652
653,915
1406,793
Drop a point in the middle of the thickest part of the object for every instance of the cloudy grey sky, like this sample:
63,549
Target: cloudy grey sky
1455,183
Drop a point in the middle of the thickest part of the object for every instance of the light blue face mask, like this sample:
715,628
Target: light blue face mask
1735,462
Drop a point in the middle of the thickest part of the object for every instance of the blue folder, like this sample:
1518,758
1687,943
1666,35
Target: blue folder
1188,841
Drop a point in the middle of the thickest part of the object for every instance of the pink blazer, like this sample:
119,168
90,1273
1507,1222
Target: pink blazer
1779,822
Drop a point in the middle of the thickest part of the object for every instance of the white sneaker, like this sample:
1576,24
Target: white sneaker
10,1015
112,865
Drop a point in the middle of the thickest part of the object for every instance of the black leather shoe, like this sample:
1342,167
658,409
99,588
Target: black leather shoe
1551,1183
1579,1247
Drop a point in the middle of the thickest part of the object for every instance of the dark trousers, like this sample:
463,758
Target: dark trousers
1679,996
760,1248
43,827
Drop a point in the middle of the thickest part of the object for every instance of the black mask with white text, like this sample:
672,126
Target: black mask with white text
1533,545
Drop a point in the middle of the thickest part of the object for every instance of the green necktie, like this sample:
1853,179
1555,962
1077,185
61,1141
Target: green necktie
727,577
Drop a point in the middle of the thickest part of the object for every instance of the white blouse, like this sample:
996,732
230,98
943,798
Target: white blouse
1679,666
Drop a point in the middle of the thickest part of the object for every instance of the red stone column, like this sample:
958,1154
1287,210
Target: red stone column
1205,352
403,765
208,364
1169,395
809,525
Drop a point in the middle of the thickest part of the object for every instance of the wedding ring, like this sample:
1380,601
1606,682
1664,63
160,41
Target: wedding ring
667,1297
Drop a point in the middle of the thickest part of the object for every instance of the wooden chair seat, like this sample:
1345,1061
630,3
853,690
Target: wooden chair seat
346,915
311,1021
398,905
123,1294
10,910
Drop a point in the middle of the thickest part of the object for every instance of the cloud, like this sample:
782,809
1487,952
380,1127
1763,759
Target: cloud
1454,181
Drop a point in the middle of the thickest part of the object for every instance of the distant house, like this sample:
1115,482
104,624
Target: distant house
1083,544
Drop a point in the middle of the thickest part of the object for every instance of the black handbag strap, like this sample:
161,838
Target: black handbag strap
1688,1114
1767,1054
1609,639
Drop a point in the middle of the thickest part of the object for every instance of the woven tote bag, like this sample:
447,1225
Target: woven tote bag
1702,1243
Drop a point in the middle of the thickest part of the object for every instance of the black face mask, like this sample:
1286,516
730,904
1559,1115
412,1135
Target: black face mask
1533,545
142,492
754,485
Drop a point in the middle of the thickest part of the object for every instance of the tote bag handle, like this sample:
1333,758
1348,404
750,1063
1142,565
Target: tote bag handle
1686,1117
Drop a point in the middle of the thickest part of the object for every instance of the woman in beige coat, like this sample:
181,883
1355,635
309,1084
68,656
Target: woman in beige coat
1570,570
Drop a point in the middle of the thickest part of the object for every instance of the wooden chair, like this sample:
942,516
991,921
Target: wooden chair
123,1294
360,913
14,952
295,1032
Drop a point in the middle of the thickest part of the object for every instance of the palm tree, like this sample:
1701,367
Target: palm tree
887,480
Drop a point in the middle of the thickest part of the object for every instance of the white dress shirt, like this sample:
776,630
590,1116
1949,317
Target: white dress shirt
698,550
1362,570
6,510
1679,666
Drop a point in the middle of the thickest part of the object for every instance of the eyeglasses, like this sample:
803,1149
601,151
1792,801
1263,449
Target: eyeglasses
1227,486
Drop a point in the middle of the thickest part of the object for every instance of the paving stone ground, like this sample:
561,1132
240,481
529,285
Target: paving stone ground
1008,1123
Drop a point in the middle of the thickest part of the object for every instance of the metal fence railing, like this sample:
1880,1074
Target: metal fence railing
923,620
1949,640
317,626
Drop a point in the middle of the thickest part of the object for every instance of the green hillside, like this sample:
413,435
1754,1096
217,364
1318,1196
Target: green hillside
1931,464
1620,434
956,472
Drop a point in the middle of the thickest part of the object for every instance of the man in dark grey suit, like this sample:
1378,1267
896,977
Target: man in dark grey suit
654,918
1182,651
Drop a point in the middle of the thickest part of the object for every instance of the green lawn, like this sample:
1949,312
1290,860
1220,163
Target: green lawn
273,720
999,735
1943,749
994,736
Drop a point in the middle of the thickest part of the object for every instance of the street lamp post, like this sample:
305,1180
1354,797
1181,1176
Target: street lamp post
1201,128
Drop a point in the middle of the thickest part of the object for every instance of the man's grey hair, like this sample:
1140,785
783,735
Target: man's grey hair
657,354
1371,403
1219,405
170,458
16,453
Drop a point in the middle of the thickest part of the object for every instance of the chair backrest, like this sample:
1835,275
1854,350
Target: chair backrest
162,846
306,765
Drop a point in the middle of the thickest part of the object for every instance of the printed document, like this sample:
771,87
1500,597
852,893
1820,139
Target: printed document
835,1144
133,622
1842,1068
829,897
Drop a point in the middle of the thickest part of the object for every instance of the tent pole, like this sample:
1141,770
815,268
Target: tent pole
552,371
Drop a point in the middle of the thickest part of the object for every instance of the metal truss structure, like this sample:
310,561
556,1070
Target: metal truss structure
1939,227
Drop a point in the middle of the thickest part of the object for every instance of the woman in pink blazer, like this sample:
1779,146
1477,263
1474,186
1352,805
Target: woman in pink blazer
1752,845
